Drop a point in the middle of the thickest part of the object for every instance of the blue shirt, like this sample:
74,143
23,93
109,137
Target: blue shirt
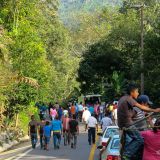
56,125
47,131
80,107
60,112
77,108
91,109
43,108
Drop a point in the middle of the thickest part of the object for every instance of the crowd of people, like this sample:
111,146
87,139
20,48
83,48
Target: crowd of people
58,121
54,120
130,114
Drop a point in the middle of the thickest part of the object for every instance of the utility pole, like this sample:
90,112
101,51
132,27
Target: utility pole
141,8
142,50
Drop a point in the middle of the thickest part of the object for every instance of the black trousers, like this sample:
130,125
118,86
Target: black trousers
41,141
80,113
92,135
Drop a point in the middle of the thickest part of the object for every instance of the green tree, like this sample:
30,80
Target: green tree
124,37
40,54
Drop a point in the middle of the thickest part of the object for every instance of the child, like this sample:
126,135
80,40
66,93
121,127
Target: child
47,135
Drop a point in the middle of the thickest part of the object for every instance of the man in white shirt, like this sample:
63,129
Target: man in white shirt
115,117
106,121
92,125
86,115
65,112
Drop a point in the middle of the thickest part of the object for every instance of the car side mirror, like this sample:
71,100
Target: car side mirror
100,134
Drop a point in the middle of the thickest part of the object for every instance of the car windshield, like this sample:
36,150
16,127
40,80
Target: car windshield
115,143
110,132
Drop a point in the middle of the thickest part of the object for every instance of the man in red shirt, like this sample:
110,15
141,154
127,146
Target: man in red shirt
65,122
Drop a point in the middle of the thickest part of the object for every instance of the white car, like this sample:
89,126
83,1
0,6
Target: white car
109,132
112,152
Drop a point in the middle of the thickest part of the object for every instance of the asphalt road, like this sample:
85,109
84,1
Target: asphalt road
82,152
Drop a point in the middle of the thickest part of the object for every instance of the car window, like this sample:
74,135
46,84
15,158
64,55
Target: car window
115,143
110,132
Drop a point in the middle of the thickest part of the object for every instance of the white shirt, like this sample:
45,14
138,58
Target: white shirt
86,115
101,109
115,114
92,122
65,112
105,122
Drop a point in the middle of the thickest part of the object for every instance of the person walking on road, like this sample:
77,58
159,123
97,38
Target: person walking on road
66,135
92,125
60,112
86,115
96,110
77,109
65,122
91,109
65,112
57,106
73,109
131,140
47,134
115,118
106,121
101,112
41,115
80,112
43,111
53,112
74,131
32,131
41,132
57,131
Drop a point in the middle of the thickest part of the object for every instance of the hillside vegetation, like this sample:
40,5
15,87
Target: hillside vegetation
69,8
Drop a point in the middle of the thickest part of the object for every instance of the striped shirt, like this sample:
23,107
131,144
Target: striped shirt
139,114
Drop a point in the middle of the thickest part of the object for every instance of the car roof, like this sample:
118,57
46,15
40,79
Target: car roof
112,127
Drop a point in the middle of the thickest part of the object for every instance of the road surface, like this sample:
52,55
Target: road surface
82,152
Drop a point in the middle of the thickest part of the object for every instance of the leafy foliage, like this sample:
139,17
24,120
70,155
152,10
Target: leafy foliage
36,55
124,38
68,8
